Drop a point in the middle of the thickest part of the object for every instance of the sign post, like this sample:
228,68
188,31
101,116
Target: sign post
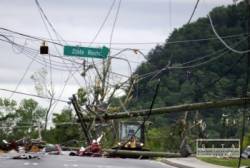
101,53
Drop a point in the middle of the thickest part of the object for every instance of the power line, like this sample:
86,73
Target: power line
195,7
221,52
53,41
36,52
98,32
114,23
44,16
222,41
165,68
71,74
28,50
111,37
205,62
47,20
31,36
32,95
57,35
103,23
39,60
23,76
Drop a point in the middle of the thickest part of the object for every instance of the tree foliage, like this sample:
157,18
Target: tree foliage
221,78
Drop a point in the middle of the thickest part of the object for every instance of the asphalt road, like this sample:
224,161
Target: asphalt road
80,162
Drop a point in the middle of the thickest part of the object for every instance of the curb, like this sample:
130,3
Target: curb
174,164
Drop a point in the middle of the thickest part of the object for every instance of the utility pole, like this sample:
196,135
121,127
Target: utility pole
174,109
82,123
245,94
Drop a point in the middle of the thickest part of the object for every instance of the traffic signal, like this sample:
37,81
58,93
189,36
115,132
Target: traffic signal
44,49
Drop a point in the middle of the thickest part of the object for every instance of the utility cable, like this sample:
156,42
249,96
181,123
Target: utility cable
208,61
98,32
28,50
32,95
55,32
222,41
195,7
43,15
53,41
103,23
22,78
30,36
106,67
46,18
196,65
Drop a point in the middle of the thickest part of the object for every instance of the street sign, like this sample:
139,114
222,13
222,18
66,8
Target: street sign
77,51
218,148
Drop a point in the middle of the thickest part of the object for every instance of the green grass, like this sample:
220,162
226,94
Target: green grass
226,162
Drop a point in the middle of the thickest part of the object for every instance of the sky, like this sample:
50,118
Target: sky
77,21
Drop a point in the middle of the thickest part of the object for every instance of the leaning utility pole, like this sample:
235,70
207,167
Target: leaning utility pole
82,123
174,109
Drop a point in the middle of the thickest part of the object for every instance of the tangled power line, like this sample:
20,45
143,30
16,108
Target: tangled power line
74,65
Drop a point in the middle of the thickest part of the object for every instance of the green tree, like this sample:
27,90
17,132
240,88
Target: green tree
221,78
7,117
29,117
66,129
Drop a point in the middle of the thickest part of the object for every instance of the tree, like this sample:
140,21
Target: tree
30,117
66,128
7,117
221,78
43,89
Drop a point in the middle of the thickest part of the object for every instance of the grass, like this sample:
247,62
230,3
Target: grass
226,162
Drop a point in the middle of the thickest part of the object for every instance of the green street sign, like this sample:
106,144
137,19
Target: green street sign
76,51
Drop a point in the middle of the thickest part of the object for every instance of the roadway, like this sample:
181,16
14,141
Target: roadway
63,161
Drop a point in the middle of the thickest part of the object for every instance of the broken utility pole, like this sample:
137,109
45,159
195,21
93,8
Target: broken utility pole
177,108
79,115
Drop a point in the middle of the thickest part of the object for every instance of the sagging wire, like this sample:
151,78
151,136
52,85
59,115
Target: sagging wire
205,62
96,35
167,67
52,41
43,15
103,23
222,41
33,52
106,68
22,78
32,95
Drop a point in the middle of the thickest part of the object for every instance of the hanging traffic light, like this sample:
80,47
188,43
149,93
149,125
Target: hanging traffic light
44,49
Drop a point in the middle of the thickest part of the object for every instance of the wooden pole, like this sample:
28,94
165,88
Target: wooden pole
131,153
174,109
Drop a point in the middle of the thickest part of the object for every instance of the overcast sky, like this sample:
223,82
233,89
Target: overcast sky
78,21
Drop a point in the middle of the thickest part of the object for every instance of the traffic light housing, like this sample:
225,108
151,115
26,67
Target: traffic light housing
44,49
